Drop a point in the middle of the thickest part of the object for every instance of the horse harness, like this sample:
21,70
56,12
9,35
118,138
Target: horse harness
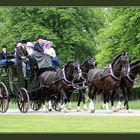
111,74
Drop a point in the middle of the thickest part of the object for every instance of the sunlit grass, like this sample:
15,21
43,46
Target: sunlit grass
44,123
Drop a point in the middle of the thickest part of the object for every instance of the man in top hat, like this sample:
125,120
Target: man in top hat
22,57
4,52
42,60
39,44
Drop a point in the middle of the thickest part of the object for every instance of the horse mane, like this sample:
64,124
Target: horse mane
68,63
89,57
134,63
116,59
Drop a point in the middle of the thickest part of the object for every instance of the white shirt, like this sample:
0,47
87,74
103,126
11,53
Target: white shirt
50,51
29,50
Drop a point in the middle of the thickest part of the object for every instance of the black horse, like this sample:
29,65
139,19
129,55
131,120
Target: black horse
62,81
107,79
127,83
88,64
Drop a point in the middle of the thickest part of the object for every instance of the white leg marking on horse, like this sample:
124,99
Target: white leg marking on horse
44,108
103,106
50,106
91,106
78,109
114,109
85,107
107,108
118,107
129,111
69,106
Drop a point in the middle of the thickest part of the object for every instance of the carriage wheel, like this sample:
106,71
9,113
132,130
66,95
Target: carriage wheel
23,100
36,105
55,105
4,101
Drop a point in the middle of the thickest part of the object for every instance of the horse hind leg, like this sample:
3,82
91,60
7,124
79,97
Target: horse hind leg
107,101
64,102
44,107
112,101
79,101
91,104
50,106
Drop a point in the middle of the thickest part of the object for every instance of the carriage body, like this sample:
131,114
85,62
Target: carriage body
11,86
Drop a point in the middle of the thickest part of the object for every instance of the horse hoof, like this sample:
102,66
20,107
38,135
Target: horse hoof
50,110
118,108
108,111
78,110
45,110
69,108
114,110
122,107
66,111
102,107
85,109
129,111
92,111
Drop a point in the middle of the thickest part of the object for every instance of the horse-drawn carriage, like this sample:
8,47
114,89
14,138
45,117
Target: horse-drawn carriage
14,88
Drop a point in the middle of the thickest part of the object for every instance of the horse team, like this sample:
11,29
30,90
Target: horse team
115,77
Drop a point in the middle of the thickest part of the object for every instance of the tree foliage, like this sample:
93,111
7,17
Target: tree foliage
121,33
76,32
73,30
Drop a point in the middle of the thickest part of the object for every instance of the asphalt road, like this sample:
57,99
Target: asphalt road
73,113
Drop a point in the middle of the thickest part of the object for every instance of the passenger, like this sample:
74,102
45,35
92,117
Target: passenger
49,50
4,53
42,60
22,58
3,59
14,53
29,48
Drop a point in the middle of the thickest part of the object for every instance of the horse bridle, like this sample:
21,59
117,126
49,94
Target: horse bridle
71,83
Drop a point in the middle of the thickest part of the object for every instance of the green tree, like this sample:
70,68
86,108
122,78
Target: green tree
73,30
121,33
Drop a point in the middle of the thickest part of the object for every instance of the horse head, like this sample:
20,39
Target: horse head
135,67
125,64
89,63
72,70
120,64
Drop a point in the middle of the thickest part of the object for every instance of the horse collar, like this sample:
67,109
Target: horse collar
64,76
112,73
129,78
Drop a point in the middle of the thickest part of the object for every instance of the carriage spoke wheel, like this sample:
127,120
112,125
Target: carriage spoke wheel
36,105
23,100
4,101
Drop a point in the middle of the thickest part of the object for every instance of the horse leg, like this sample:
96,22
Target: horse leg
50,106
64,101
84,101
112,101
107,101
128,91
79,100
91,104
119,105
69,102
44,107
104,103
